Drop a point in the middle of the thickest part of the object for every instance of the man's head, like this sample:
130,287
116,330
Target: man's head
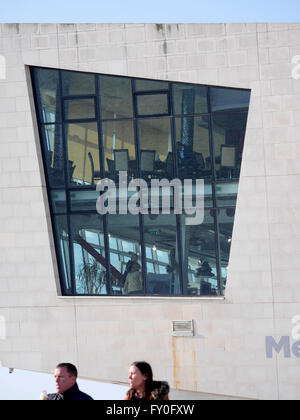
65,377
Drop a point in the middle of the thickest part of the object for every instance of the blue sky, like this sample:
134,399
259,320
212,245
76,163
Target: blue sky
150,11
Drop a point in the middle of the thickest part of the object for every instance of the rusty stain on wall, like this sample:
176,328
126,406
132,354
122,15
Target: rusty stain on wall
176,367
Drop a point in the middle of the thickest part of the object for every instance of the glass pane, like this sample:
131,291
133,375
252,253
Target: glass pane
79,109
228,137
156,148
83,153
189,99
227,194
162,269
116,97
75,83
125,254
89,255
229,99
58,199
48,94
119,148
225,222
193,148
199,257
152,104
54,154
208,201
147,85
61,235
84,200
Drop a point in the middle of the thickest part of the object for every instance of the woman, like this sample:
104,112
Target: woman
142,385
134,280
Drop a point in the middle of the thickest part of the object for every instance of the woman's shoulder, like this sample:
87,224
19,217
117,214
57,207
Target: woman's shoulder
159,391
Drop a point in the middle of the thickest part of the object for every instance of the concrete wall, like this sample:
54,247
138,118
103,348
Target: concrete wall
104,335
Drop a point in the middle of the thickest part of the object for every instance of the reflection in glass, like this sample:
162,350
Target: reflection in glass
150,85
125,254
83,153
48,93
152,104
76,83
162,255
58,199
89,255
193,148
208,197
85,200
156,148
54,154
79,109
199,257
226,193
63,252
192,138
228,134
225,223
119,148
116,97
189,99
223,99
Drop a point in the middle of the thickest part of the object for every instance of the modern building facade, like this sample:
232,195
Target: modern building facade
87,102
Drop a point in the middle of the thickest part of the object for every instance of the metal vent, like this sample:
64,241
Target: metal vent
183,328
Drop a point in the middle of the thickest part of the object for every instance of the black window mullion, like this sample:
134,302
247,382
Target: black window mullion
102,173
179,250
68,203
218,250
107,255
214,197
178,217
138,175
211,138
78,97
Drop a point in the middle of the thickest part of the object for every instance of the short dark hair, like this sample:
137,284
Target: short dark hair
71,369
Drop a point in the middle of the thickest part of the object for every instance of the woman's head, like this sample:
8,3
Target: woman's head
134,257
140,376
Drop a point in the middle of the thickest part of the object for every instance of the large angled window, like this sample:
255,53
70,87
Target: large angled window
128,146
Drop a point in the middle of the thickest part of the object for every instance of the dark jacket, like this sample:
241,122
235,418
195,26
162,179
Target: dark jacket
72,394
159,391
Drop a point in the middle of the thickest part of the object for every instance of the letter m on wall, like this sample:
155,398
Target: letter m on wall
283,343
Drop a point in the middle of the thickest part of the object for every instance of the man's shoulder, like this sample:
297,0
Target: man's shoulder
55,397
82,396
75,396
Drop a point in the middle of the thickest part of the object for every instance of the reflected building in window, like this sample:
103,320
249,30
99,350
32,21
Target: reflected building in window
95,126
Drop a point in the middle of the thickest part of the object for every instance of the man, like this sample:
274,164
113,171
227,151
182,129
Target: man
65,377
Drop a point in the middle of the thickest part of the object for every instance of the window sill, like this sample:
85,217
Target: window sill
170,298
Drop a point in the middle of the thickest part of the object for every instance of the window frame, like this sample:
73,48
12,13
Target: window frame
98,119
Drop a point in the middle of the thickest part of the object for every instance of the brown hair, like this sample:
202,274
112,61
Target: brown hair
146,369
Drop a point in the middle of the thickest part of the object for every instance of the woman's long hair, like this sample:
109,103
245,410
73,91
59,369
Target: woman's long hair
146,369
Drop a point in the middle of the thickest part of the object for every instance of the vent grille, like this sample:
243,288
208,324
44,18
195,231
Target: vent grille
183,328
